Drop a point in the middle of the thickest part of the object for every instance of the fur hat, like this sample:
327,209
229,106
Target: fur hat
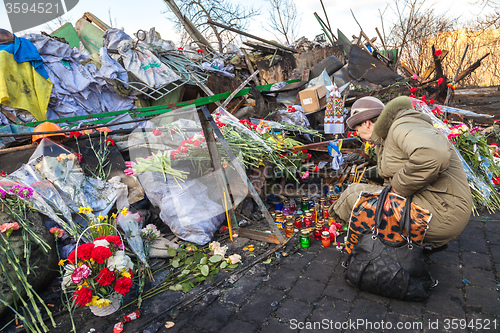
364,109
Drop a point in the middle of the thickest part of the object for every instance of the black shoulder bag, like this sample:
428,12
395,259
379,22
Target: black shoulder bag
390,269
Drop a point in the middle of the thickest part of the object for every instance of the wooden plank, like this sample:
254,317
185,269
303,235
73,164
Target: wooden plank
471,68
432,66
250,66
344,176
19,148
219,173
190,28
289,49
257,235
10,116
94,19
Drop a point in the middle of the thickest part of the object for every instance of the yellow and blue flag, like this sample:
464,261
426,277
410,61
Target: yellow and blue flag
24,82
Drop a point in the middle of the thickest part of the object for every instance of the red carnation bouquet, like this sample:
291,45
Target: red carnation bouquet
98,273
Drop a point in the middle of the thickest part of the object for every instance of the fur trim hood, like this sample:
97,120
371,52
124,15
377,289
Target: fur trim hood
394,110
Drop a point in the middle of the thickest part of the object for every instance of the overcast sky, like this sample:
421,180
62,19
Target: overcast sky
135,15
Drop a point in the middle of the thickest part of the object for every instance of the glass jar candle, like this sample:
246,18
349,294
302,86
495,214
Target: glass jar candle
279,219
298,222
325,212
332,198
305,239
325,239
317,234
278,206
311,204
286,208
322,201
292,206
305,203
308,220
289,229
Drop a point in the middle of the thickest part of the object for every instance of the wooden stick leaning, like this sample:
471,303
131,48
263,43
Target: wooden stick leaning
228,220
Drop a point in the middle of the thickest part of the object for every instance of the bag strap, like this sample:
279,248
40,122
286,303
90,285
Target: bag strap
406,219
380,206
404,222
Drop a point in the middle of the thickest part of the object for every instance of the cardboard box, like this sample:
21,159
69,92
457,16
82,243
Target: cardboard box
313,99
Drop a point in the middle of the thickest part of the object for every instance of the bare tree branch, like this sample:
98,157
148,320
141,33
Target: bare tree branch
221,11
284,20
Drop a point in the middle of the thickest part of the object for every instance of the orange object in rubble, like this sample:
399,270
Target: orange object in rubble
47,127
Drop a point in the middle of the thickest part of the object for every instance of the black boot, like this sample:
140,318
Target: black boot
431,250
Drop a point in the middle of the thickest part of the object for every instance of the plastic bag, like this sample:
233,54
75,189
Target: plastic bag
130,224
322,79
59,166
187,210
27,175
41,205
139,60
296,117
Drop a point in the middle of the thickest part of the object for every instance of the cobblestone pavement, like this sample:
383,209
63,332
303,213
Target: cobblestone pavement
305,291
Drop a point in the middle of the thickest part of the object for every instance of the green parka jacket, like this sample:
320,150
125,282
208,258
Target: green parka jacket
415,158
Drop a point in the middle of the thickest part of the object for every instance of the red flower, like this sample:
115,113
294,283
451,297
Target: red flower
105,277
440,80
493,144
123,285
3,173
316,168
305,151
413,89
352,134
200,51
196,143
74,134
308,157
413,95
114,239
185,150
157,132
495,121
83,252
496,180
445,121
437,53
110,141
104,129
431,101
423,99
172,154
180,49
100,254
78,157
83,296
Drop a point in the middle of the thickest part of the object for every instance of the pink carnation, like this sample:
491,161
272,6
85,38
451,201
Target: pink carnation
80,273
9,226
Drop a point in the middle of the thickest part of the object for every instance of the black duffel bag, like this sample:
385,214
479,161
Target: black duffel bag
390,269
